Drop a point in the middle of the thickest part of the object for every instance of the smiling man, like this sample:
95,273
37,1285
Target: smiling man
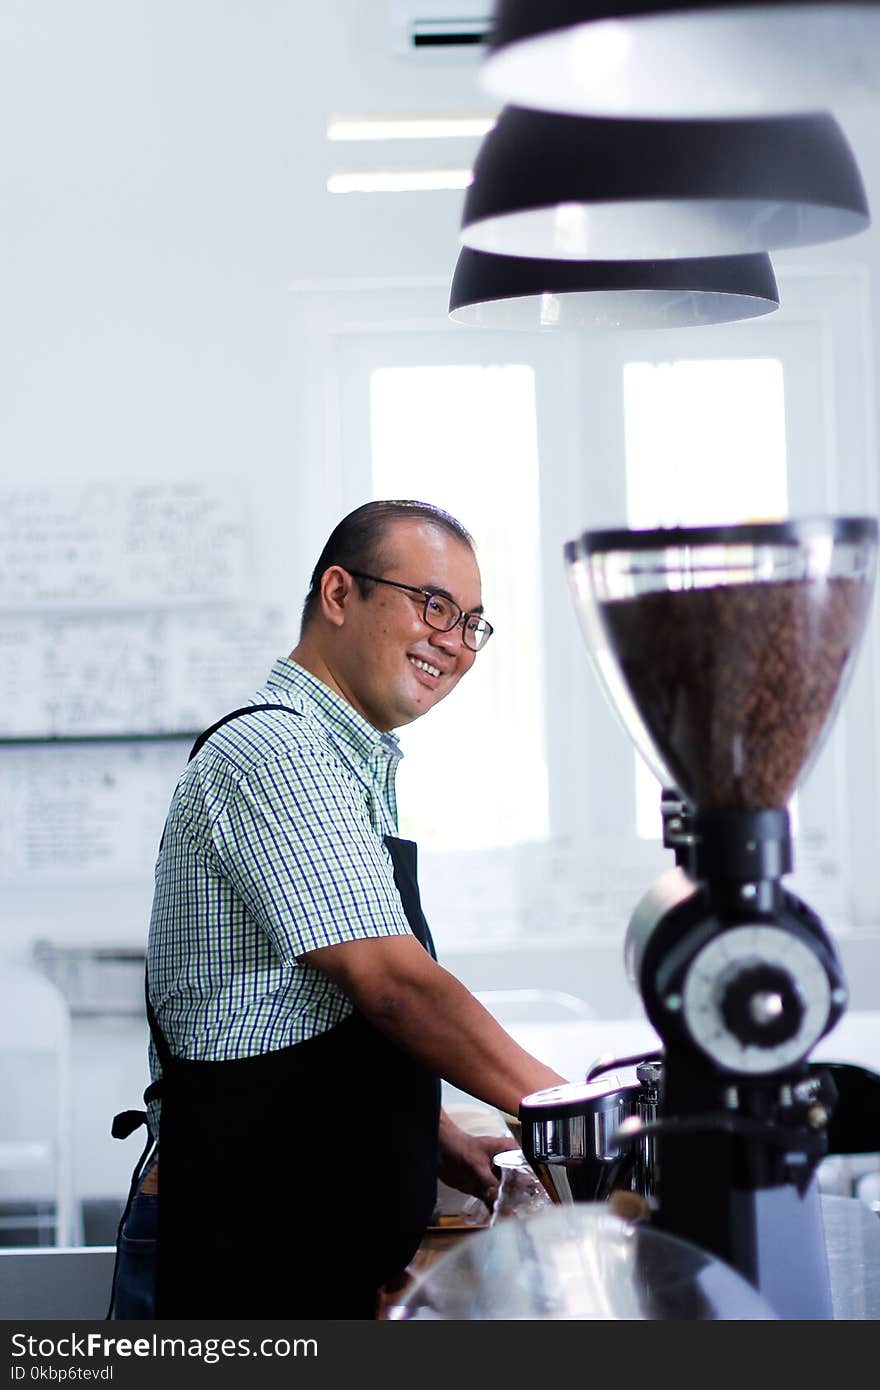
300,1021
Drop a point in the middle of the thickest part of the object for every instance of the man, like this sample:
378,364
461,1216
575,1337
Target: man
300,1023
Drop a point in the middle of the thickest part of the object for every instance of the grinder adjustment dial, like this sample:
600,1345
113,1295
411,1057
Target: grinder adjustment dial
755,999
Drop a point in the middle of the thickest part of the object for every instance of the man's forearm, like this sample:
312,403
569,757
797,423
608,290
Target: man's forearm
437,1020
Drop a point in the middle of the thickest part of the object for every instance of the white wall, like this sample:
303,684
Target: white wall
163,174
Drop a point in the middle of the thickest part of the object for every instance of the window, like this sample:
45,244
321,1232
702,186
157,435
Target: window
705,442
474,775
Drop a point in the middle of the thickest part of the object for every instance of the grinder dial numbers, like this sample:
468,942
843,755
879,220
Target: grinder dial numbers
756,999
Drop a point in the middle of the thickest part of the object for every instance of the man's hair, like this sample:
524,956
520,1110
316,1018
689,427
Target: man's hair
360,542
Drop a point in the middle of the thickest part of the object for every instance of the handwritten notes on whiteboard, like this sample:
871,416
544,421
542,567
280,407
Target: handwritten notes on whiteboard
85,812
154,671
124,610
109,544
92,812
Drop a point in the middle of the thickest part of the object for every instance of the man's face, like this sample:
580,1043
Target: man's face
394,667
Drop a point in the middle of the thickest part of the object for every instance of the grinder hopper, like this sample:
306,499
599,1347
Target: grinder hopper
725,650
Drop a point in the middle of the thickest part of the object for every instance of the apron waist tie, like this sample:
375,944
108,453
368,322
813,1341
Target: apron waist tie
125,1124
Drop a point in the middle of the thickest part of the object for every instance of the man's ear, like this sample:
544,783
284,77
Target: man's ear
336,591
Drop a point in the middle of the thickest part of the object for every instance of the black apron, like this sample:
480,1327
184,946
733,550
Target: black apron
293,1184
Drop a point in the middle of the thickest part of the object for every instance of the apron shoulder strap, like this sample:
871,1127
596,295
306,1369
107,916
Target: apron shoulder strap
404,859
236,714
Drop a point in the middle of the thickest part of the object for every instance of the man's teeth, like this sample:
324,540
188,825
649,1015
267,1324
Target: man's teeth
423,666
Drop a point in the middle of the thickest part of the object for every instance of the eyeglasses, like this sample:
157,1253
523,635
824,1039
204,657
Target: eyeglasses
441,613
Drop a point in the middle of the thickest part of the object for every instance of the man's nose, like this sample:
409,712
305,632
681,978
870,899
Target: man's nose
450,641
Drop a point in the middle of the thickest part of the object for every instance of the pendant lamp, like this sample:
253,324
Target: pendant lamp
531,293
585,188
682,57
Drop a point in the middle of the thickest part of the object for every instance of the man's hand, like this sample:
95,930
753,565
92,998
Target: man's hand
466,1160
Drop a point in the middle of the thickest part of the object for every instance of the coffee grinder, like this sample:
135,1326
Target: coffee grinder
725,651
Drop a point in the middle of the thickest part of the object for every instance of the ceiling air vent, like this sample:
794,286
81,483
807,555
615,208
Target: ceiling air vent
447,33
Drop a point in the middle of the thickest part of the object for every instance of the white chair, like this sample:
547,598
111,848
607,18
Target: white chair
36,1139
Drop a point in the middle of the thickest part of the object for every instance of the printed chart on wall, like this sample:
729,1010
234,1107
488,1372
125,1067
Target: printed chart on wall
122,632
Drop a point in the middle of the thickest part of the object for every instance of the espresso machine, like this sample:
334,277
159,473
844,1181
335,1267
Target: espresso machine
725,652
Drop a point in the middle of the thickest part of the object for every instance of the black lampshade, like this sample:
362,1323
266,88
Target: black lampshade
682,57
584,188
530,293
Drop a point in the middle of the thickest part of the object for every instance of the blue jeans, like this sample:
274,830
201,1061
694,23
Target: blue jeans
135,1295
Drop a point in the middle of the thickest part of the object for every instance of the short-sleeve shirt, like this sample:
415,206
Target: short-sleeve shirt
273,847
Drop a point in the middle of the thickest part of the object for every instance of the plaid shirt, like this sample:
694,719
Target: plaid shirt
272,848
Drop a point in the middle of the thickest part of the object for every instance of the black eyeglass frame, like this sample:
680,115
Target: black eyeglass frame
427,595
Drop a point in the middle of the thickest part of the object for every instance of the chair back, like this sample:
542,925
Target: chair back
36,1131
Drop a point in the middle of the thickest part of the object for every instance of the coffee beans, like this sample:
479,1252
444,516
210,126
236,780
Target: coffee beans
735,683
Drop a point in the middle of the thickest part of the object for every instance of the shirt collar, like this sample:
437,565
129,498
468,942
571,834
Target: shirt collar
342,721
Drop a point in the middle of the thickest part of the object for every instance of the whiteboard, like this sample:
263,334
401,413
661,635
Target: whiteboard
121,616
85,813
108,544
148,672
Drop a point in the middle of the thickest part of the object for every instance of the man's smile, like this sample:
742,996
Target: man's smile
432,672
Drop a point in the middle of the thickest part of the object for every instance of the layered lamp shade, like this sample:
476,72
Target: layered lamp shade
681,57
583,188
533,293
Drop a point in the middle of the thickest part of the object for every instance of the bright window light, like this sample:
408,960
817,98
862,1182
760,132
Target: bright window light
705,442
474,774
398,180
705,445
409,127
